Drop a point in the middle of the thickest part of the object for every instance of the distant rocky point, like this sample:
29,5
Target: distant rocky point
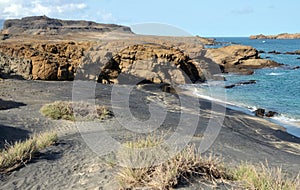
43,25
279,36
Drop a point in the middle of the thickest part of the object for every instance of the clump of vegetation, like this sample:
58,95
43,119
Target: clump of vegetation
181,168
18,154
263,177
139,169
75,110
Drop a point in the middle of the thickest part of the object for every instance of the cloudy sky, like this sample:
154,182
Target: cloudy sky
196,17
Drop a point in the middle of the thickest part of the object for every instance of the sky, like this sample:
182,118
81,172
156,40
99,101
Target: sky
208,18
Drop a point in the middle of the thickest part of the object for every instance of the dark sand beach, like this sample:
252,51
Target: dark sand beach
71,164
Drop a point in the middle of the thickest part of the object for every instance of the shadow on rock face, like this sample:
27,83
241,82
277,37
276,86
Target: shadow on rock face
7,104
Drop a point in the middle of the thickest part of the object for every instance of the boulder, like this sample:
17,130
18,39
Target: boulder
271,114
168,88
260,112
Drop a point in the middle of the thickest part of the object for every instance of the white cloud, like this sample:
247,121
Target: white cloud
62,9
70,7
54,8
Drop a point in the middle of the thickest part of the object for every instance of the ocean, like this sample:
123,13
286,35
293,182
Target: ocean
276,89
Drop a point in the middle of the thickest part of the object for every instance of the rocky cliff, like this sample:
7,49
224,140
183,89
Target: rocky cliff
41,60
279,36
42,25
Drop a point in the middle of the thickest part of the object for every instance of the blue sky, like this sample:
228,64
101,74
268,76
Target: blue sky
196,17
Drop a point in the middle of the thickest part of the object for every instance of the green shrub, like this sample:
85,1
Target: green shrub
74,110
263,177
19,153
182,167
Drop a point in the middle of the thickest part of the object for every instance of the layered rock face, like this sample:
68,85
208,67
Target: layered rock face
239,58
42,25
279,36
41,60
154,63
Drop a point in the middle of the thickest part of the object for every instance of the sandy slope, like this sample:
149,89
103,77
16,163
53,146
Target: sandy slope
71,164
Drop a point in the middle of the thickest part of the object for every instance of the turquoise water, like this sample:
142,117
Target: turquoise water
277,89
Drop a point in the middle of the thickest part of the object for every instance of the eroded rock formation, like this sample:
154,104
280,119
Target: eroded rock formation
154,63
41,60
239,58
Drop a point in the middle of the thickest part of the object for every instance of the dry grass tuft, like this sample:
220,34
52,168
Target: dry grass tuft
74,110
263,177
19,153
181,168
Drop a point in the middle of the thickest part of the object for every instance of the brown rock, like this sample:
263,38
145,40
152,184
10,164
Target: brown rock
271,114
238,58
41,59
152,62
260,112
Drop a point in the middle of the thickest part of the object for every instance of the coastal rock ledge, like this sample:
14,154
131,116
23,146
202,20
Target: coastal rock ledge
239,59
279,36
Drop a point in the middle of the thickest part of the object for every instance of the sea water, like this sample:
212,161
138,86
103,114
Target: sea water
276,89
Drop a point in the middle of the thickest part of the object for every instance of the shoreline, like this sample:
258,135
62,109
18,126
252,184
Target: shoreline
292,128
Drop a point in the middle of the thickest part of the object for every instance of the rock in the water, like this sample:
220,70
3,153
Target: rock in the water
260,112
297,52
271,114
274,52
241,83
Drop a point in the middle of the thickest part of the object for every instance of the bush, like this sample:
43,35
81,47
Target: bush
263,177
18,154
74,110
181,168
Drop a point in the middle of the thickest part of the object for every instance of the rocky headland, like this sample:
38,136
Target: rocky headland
43,48
278,36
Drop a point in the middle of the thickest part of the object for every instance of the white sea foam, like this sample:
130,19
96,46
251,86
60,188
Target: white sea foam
275,74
